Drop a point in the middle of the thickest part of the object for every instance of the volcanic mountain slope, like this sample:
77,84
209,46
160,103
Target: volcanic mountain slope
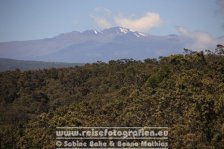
92,45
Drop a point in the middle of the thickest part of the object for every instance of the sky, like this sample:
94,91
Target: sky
36,19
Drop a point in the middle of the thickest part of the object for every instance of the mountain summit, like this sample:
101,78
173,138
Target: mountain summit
122,31
93,45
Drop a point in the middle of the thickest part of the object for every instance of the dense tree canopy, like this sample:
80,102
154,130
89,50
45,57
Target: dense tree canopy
184,92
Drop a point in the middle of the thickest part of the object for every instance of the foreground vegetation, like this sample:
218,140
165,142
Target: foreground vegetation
184,92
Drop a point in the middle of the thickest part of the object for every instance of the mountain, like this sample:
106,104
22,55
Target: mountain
11,64
92,45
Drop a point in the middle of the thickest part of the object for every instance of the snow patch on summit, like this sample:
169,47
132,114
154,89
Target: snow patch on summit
95,32
124,30
139,34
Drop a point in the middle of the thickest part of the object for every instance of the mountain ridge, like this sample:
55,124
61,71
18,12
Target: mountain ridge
92,45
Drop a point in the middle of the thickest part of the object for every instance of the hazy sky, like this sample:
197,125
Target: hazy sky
34,19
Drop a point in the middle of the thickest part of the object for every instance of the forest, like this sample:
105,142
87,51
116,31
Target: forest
184,92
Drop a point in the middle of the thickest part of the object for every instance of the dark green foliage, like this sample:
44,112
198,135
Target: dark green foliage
183,92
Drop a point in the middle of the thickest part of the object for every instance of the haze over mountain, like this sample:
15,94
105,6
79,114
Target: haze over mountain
92,46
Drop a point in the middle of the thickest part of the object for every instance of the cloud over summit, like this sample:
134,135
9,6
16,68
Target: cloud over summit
101,22
142,23
146,22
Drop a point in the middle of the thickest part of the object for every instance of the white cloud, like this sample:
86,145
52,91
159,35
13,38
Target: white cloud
104,18
146,22
101,17
198,40
103,23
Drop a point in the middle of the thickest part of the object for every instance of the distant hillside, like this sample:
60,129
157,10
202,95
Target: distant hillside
11,64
